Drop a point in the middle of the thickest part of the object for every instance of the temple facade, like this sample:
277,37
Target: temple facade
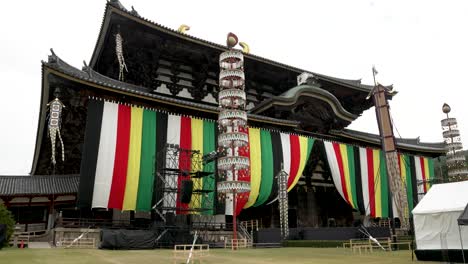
133,133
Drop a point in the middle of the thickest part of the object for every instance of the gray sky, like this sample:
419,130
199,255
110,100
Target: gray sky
421,47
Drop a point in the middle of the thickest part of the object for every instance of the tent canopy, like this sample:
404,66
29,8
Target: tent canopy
447,197
436,215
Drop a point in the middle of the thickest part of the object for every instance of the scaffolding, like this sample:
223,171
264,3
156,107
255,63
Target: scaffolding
174,164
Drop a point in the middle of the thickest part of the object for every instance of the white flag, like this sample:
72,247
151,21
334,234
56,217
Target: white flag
374,70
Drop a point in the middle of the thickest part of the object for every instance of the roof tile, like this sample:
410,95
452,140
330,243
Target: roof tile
38,185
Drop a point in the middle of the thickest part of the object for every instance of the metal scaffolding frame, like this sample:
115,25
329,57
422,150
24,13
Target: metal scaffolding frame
168,163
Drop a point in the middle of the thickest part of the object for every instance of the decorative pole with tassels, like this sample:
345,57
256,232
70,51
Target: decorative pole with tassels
232,123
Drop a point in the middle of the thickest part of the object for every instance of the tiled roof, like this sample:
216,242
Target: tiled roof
91,76
402,143
38,185
116,7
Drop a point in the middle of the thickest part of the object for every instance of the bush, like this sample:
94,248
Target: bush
6,217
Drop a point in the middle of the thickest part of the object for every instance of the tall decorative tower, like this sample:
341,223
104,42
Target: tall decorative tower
232,122
456,163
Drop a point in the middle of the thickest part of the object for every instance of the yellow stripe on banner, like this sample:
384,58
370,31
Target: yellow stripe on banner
428,175
344,155
377,183
402,169
197,144
302,162
134,154
255,166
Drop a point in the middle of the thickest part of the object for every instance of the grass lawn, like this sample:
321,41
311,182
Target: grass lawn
224,256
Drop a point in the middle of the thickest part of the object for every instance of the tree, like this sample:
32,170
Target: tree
6,217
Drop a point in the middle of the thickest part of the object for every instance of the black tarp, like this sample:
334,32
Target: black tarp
273,235
157,237
463,219
2,234
442,255
127,239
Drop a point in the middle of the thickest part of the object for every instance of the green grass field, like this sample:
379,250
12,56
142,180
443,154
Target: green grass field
224,256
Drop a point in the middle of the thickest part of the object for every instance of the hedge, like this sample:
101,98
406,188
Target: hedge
7,218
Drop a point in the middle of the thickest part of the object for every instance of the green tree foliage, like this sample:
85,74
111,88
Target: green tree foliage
440,169
6,217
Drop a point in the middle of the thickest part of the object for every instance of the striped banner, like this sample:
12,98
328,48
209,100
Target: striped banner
106,154
197,143
269,151
209,145
408,176
90,153
244,175
147,161
424,169
360,176
121,149
120,157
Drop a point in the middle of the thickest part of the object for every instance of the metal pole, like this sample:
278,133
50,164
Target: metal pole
461,242
234,220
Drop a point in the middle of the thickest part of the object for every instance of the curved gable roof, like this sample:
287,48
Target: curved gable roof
291,97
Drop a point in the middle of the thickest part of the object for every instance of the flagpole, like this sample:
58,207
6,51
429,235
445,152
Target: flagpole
374,72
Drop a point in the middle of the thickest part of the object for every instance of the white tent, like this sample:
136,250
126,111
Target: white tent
435,217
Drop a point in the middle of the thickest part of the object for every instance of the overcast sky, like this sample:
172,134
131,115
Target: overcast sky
421,47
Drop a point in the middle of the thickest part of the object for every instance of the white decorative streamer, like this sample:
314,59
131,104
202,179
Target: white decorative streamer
120,56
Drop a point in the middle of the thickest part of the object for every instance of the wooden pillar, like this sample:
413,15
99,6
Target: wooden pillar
397,189
51,213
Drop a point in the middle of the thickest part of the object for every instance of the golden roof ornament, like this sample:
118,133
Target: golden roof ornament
183,28
245,47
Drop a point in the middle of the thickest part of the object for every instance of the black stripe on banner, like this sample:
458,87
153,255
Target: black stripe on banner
357,168
414,183
160,159
90,153
219,204
277,161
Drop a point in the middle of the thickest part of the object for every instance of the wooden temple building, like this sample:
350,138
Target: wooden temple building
152,71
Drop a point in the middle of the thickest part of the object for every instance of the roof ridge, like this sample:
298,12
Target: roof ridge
353,83
401,143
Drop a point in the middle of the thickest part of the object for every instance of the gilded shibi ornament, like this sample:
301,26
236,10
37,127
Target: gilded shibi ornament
120,56
55,120
183,29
